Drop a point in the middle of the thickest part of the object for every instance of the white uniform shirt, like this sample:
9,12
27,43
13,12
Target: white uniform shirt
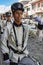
19,32
9,34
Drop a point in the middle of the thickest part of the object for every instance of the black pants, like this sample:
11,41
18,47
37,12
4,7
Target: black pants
13,63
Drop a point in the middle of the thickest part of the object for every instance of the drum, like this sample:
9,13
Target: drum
28,61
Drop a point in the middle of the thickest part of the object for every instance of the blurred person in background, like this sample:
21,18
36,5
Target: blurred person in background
5,54
40,27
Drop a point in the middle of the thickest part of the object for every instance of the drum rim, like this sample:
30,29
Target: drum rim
35,60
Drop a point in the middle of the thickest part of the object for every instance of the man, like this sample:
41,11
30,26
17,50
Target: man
4,16
7,23
3,19
40,27
16,36
0,48
8,16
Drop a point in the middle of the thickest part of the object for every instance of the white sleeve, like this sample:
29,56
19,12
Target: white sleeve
4,41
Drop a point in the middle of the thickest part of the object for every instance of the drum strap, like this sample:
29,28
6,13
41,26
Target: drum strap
16,51
16,40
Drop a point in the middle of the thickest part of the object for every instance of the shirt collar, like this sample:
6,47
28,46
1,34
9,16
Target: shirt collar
17,24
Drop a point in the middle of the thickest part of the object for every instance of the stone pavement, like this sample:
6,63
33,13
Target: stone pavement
35,48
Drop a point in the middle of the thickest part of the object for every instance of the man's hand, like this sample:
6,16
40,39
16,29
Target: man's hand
20,48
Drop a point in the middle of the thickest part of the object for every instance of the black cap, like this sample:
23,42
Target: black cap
17,6
8,14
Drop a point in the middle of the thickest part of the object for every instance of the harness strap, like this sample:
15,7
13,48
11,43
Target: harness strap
16,51
16,40
15,36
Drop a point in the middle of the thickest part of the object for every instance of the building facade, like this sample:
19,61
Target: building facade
33,7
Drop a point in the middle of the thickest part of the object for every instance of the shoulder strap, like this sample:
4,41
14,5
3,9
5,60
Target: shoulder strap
15,35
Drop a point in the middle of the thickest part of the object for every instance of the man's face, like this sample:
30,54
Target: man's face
17,15
8,17
4,17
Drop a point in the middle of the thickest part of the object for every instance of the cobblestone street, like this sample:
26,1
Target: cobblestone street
36,48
